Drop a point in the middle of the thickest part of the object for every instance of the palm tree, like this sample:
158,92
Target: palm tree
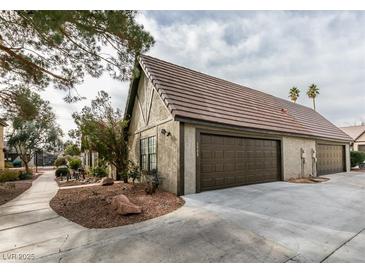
312,93
294,94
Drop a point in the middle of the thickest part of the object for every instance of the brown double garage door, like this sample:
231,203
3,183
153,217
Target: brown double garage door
331,159
227,161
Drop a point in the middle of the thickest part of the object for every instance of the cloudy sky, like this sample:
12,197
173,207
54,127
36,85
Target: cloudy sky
269,51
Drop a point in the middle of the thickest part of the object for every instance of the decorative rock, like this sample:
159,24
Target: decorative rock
123,206
106,181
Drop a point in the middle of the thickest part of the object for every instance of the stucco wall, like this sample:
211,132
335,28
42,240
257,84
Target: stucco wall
2,163
357,143
361,138
149,117
189,159
292,160
291,155
348,159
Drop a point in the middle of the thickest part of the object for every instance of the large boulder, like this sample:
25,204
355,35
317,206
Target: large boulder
123,206
106,181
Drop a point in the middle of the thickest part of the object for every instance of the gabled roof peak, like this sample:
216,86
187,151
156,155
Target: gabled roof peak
194,95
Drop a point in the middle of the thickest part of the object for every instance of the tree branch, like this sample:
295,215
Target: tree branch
23,60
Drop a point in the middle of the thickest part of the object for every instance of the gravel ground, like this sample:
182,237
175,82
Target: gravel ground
11,190
90,207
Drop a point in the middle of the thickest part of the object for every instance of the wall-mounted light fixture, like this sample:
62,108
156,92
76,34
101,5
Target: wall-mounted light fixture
164,132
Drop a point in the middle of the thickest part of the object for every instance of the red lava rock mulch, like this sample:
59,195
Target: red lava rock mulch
73,182
308,180
11,190
91,208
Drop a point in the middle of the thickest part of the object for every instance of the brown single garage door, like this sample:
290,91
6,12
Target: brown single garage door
228,161
331,159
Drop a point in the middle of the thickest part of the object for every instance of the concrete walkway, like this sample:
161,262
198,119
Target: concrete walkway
274,222
28,221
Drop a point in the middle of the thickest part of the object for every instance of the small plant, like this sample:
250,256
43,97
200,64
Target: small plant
99,171
23,175
134,172
17,163
62,171
124,175
74,163
357,158
60,161
8,164
8,175
153,182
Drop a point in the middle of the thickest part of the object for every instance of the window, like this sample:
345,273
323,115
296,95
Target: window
148,153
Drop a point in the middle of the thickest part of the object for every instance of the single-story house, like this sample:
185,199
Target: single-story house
2,158
203,133
358,134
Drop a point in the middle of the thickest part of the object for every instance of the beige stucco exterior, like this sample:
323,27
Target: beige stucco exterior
189,159
150,116
359,141
297,155
177,151
348,158
2,160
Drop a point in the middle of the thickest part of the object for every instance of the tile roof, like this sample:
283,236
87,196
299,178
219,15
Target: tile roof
354,131
194,95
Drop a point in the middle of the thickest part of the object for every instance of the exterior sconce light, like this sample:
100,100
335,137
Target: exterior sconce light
164,132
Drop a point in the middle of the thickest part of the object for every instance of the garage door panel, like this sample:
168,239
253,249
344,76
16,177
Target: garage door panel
244,161
330,159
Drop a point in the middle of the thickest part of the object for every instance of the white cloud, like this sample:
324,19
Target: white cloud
269,51
272,51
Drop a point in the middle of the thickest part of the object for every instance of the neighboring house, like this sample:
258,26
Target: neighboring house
358,134
42,158
2,149
89,159
204,133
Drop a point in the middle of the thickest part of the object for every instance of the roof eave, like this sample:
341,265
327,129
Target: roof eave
132,92
268,131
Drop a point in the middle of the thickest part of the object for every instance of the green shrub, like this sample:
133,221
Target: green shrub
60,161
8,164
99,171
154,180
8,175
62,171
17,163
23,175
134,171
357,158
124,175
72,150
74,163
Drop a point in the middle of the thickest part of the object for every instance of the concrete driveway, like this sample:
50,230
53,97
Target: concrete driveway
273,222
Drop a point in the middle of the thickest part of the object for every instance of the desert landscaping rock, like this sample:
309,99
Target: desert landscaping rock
91,206
106,181
123,206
